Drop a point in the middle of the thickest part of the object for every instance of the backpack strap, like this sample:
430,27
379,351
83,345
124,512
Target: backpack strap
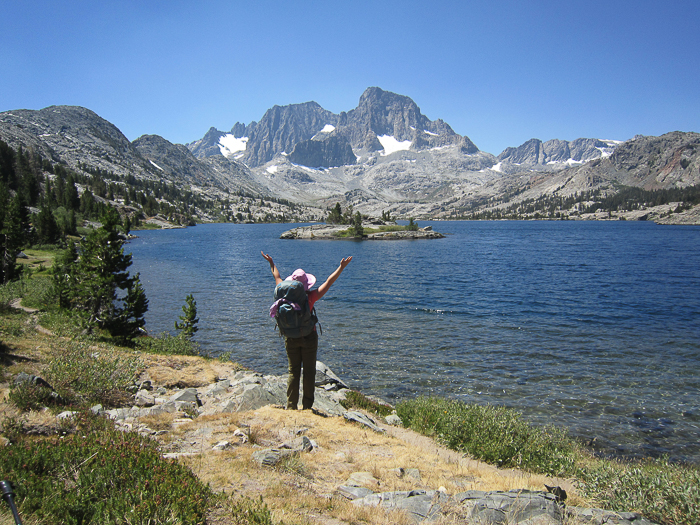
318,323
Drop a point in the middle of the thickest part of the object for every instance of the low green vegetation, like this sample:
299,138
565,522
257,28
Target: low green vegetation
99,475
493,434
167,344
661,491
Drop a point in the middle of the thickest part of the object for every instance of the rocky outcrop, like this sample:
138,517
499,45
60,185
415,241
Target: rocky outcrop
282,128
332,231
208,145
77,137
383,113
74,135
174,160
328,152
671,160
298,130
534,152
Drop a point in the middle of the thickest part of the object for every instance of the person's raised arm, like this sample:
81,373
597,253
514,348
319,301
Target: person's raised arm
273,268
332,277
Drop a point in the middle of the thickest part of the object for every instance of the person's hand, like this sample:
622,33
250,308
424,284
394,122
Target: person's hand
345,262
267,258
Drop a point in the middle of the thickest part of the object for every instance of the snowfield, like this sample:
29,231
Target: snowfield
228,144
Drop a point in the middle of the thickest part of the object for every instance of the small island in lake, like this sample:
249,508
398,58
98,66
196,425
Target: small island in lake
368,231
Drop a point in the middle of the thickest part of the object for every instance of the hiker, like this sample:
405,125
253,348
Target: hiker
301,349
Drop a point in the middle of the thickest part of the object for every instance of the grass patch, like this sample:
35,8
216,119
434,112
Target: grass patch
496,435
663,492
249,511
13,324
36,291
82,374
146,226
355,399
657,489
167,344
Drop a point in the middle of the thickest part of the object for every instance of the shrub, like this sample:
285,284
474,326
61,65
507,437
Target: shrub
102,476
81,374
661,491
27,396
497,435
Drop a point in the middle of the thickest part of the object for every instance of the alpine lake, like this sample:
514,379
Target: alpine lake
589,325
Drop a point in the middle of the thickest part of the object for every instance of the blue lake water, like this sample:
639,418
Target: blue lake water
594,326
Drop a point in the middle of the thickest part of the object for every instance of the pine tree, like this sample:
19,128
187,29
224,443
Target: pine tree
357,229
92,278
14,233
189,319
47,229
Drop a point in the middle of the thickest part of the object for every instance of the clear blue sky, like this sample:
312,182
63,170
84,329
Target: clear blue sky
500,72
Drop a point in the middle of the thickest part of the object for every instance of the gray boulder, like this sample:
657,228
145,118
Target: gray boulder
514,506
359,417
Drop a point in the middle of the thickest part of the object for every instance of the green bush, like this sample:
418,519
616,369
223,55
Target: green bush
83,374
27,396
102,476
496,435
38,292
659,490
167,344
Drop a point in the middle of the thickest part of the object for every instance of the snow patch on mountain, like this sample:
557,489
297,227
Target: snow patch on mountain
156,165
272,169
228,144
612,144
569,162
391,145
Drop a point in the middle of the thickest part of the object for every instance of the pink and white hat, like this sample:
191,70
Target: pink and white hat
306,279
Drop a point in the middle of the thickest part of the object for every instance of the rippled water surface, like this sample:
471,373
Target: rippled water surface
591,325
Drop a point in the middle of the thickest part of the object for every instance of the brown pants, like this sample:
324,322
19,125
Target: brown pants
301,350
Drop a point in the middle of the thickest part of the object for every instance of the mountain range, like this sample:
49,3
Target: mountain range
382,155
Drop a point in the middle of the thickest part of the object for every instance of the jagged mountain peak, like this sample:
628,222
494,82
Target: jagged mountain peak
380,118
534,152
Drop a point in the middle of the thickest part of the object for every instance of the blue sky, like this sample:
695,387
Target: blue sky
500,72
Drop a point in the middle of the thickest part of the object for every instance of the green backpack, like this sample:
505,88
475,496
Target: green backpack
293,316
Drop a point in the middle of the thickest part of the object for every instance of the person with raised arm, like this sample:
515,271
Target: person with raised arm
294,313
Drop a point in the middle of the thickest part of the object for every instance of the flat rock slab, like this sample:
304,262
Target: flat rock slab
363,419
515,506
419,504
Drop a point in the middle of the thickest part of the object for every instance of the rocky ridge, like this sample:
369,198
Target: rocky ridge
383,155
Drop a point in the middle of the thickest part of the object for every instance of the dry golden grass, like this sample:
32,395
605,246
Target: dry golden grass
304,489
185,371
